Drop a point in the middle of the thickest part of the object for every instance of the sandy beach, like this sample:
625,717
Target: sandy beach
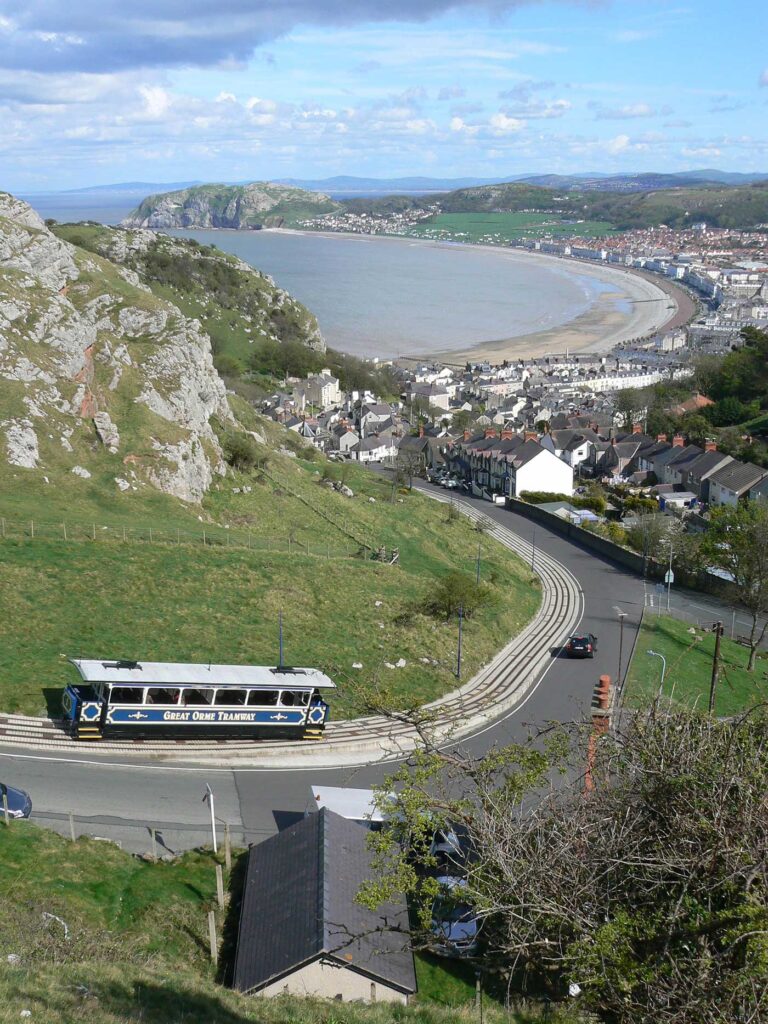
635,305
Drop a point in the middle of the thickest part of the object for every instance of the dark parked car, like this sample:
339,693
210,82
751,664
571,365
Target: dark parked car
19,802
455,926
581,645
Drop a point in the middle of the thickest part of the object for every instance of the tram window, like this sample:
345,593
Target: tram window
293,698
230,697
127,695
262,698
196,698
161,695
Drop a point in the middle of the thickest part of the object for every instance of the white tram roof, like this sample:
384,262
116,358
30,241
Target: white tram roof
170,673
355,804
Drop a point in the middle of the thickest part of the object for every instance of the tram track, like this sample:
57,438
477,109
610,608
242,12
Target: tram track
495,690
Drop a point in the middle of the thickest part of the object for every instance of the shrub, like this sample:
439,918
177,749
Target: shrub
229,366
454,591
240,451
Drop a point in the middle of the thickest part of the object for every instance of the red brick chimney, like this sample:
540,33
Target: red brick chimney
710,446
661,437
507,435
467,434
678,441
637,428
530,435
490,432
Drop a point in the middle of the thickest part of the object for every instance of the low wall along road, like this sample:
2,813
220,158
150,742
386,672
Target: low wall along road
495,690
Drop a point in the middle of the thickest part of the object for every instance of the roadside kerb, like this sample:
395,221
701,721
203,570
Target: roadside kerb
495,690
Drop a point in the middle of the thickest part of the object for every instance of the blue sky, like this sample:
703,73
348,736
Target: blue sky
163,90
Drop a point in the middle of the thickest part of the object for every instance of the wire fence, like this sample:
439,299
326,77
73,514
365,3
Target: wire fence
73,531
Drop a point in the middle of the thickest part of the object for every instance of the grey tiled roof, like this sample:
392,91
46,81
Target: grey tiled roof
738,476
299,903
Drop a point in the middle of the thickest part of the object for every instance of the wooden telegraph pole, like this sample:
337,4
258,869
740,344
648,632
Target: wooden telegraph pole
718,631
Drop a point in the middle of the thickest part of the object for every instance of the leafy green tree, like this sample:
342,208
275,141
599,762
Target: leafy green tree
631,404
643,883
737,543
454,591
240,451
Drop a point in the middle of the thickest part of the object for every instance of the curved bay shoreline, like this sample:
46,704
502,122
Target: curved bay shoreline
656,305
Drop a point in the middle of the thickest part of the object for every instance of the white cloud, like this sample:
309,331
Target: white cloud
701,151
226,97
156,101
632,35
617,144
504,125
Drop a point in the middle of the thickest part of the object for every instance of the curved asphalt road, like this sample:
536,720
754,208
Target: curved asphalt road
122,802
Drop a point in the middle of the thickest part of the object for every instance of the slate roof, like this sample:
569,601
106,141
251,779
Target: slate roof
299,903
738,476
706,464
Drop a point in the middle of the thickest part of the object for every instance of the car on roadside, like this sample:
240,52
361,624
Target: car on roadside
455,926
19,802
581,645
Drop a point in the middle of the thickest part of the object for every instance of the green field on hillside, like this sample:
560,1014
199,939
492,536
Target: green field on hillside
689,651
500,227
136,945
175,598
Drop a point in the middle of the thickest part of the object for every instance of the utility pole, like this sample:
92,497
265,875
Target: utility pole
670,577
622,616
208,798
718,631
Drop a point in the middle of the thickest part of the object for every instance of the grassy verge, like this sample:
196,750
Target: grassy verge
189,602
689,653
136,949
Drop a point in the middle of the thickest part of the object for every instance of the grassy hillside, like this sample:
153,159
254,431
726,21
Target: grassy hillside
137,945
741,206
165,600
494,228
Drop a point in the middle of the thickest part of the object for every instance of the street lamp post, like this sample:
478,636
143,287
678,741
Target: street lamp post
209,799
458,657
663,668
622,616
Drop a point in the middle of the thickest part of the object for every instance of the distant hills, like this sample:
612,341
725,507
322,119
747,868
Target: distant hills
624,201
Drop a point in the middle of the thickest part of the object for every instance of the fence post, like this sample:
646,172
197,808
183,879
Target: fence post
154,844
32,528
150,535
227,847
94,531
123,535
6,815
212,937
203,538
65,530
72,825
220,886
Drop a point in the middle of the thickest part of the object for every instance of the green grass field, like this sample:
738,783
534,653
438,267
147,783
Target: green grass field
168,601
137,945
689,652
501,227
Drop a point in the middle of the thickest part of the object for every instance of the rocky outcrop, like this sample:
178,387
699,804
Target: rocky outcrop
84,348
259,204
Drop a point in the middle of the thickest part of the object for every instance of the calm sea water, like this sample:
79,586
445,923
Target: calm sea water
389,297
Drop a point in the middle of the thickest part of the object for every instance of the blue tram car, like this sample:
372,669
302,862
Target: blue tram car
149,699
